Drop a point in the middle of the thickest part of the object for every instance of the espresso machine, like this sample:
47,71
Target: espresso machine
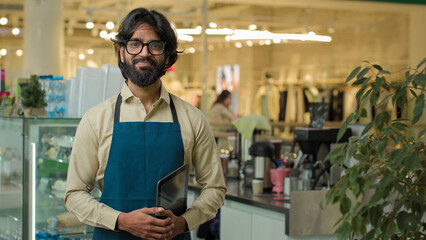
262,156
310,140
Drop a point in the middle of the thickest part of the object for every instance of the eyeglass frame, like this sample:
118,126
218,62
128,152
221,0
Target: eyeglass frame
143,45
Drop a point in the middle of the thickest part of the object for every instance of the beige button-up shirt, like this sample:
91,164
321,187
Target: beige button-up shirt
90,153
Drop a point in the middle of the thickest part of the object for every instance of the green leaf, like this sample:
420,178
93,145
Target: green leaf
400,188
412,162
382,145
344,127
388,228
399,126
379,81
406,221
421,63
384,99
421,133
362,157
366,95
345,205
335,152
379,121
370,235
407,81
398,139
343,232
418,109
362,73
378,67
377,196
362,81
357,224
413,93
353,74
374,97
386,180
383,72
419,79
360,92
375,215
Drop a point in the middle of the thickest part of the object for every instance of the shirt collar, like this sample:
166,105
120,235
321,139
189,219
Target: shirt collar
127,94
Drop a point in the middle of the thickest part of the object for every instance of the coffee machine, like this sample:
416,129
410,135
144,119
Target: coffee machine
262,156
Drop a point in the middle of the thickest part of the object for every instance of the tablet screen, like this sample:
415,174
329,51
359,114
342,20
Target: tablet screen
172,191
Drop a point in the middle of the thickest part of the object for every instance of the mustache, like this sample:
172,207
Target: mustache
150,61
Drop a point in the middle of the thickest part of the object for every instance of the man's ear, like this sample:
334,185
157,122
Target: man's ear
122,54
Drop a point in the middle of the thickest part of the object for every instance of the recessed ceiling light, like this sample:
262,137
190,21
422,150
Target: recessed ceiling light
3,21
90,25
16,31
110,25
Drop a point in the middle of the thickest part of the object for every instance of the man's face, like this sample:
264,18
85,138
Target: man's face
143,69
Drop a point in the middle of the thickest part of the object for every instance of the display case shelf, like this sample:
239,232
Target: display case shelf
34,160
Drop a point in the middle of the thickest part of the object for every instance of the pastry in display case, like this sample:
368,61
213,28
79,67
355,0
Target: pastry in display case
34,157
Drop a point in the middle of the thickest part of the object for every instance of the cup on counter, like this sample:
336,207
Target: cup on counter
277,178
257,186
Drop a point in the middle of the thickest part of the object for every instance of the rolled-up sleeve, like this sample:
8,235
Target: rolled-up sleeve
208,173
82,171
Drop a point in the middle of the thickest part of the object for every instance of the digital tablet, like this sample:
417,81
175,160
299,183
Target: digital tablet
172,191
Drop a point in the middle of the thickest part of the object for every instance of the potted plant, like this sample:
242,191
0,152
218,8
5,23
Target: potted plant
33,99
382,195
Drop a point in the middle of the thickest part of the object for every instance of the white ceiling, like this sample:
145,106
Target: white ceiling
288,16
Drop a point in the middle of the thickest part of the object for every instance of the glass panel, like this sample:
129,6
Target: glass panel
10,178
53,139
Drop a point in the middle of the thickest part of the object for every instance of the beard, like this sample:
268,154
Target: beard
143,76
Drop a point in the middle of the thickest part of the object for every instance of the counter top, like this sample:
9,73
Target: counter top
237,192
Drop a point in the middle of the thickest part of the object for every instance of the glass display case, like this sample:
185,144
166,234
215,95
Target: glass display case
34,156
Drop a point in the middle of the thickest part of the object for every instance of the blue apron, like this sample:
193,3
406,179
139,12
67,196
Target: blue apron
141,153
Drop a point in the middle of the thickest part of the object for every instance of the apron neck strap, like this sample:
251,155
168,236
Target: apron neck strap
118,108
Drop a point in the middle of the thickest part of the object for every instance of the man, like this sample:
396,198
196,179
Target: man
129,142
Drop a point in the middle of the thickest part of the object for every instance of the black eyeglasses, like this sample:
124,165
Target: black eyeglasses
134,46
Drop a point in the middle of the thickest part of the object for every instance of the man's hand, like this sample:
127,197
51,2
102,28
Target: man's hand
178,222
141,224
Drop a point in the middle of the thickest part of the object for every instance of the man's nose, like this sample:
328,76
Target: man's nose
144,52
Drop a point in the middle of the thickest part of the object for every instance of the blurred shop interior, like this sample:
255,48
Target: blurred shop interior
276,57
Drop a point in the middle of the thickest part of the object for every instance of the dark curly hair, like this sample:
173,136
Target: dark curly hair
161,26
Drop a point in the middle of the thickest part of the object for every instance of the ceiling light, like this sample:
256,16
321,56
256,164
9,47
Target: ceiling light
19,52
16,31
191,50
3,52
213,25
222,31
268,42
103,34
81,56
112,35
189,31
90,51
186,38
249,43
3,21
238,45
110,25
90,25
252,27
276,40
263,35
